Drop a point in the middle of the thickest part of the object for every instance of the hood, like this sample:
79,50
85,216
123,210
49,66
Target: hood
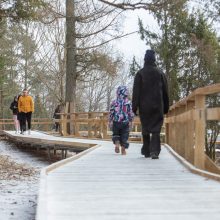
122,92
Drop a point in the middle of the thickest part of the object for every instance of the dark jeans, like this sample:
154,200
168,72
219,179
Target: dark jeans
25,117
120,133
151,144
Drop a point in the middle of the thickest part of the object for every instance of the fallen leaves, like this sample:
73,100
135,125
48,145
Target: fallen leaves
11,170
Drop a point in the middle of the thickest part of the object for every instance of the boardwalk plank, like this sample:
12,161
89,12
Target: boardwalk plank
102,185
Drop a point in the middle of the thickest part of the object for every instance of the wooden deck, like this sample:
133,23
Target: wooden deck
103,185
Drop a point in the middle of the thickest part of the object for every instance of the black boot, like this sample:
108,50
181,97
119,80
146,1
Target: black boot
145,150
154,156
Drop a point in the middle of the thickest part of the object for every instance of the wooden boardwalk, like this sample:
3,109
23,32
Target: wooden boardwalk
40,140
107,186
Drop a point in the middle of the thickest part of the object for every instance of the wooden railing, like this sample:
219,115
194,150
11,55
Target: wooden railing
84,124
44,124
93,125
185,127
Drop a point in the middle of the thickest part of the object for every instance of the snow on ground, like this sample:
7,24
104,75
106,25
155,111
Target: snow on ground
19,185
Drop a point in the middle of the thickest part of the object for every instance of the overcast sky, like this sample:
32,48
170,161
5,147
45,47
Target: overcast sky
132,45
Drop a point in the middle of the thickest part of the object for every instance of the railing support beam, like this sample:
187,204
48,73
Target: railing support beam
200,125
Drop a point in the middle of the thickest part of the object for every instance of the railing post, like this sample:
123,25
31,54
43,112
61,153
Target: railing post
136,128
76,125
89,125
65,119
182,131
105,125
168,129
190,131
174,130
171,129
61,124
96,125
178,131
200,123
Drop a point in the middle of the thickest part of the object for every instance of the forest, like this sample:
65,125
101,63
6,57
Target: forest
63,51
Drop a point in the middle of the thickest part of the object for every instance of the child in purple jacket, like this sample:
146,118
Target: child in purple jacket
120,119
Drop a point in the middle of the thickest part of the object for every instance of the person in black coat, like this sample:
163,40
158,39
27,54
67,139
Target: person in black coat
57,116
14,108
150,99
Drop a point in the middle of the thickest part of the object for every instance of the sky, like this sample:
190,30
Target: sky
132,45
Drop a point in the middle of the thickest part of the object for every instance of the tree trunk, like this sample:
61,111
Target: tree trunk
70,97
26,58
109,90
1,102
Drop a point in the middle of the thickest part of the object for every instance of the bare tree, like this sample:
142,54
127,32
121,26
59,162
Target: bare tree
71,67
91,21
150,5
97,88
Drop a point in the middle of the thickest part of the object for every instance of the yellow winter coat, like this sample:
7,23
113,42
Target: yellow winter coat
25,104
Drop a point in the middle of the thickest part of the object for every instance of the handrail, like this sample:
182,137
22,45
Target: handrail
207,90
186,127
84,124
44,124
91,124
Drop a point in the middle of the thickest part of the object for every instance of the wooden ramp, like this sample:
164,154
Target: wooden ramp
99,184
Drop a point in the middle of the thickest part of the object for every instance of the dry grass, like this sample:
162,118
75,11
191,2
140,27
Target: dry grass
11,170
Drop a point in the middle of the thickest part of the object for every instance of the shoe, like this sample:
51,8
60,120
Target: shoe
154,156
142,151
29,131
117,150
123,151
22,132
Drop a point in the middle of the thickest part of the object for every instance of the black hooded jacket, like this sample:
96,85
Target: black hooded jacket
150,97
14,107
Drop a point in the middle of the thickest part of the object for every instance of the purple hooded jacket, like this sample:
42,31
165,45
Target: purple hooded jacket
121,109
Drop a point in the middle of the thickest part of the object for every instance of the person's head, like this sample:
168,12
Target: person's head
150,56
122,92
16,98
25,92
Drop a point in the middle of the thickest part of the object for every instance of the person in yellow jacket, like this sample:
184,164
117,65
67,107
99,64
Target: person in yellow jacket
25,108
